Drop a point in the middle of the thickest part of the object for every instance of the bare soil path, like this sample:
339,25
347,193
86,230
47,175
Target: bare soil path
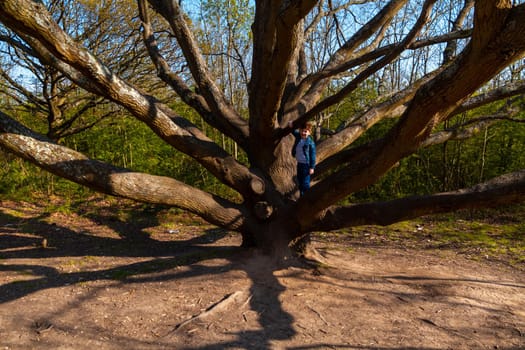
104,280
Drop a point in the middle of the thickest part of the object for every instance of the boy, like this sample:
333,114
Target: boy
304,152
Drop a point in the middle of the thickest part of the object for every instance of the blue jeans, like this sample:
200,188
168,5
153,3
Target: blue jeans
303,177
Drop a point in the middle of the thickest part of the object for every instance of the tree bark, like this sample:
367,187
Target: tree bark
505,189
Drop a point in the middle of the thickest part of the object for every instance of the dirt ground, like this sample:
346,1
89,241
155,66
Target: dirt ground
107,280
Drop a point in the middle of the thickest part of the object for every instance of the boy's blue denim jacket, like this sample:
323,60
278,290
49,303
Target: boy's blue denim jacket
308,148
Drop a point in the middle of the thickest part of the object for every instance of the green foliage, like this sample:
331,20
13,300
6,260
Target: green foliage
20,180
494,234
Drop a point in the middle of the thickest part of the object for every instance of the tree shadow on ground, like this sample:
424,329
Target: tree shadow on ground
21,239
276,323
130,240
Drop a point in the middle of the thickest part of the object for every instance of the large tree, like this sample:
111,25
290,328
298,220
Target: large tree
293,76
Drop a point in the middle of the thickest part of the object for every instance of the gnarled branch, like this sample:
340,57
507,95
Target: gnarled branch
117,181
505,189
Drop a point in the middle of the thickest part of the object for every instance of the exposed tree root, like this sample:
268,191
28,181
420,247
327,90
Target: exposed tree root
311,257
240,298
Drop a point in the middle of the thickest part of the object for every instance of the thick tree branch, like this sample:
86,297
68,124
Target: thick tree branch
195,100
116,181
226,118
468,130
276,32
505,189
506,91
